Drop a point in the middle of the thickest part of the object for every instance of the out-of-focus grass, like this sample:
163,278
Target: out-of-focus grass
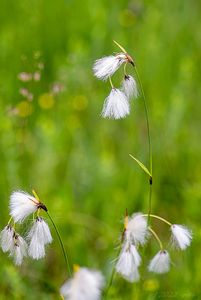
78,162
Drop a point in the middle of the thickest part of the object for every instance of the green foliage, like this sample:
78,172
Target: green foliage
78,163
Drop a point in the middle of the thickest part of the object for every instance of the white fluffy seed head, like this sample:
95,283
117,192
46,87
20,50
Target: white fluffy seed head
129,87
39,235
181,236
116,105
22,205
107,66
128,262
19,250
6,238
85,285
36,250
160,263
137,229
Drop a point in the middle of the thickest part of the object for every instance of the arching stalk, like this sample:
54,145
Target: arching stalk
61,244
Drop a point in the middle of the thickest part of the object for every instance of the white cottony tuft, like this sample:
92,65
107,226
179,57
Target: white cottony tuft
39,236
85,285
160,263
116,105
107,66
128,262
36,250
22,205
19,250
130,87
181,236
137,228
6,238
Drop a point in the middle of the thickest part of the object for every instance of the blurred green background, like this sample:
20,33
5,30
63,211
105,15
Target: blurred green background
54,140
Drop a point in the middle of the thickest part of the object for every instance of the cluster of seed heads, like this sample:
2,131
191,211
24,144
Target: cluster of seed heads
86,284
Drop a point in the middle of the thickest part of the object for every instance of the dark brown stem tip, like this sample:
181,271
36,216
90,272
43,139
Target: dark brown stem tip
130,59
42,206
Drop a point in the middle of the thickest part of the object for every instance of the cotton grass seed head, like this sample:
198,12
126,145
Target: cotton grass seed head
6,238
39,236
22,205
137,228
160,263
19,250
129,87
107,66
85,285
116,105
128,262
181,236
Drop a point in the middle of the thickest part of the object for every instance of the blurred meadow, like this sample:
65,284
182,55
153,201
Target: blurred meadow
53,139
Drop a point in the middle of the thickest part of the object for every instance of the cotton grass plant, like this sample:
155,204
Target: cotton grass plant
137,228
83,283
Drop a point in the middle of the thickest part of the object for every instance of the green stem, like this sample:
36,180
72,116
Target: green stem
149,140
111,278
156,237
111,82
125,73
10,220
150,197
159,218
62,245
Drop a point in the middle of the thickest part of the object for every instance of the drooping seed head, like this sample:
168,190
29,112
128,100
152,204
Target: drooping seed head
85,285
22,205
128,262
106,66
160,263
6,238
181,236
116,105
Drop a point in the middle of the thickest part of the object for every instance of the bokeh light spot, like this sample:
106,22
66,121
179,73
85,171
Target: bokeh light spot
46,101
24,109
80,102
151,285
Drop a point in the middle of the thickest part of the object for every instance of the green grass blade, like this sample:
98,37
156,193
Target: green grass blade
141,165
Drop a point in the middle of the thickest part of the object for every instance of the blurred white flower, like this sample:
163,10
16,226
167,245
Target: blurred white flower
22,205
37,76
137,228
85,285
116,105
107,66
181,236
24,92
6,238
19,250
128,262
129,87
25,77
160,262
39,236
57,88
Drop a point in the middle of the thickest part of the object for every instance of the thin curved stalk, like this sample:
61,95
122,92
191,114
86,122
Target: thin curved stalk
156,237
111,83
157,217
61,244
149,142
